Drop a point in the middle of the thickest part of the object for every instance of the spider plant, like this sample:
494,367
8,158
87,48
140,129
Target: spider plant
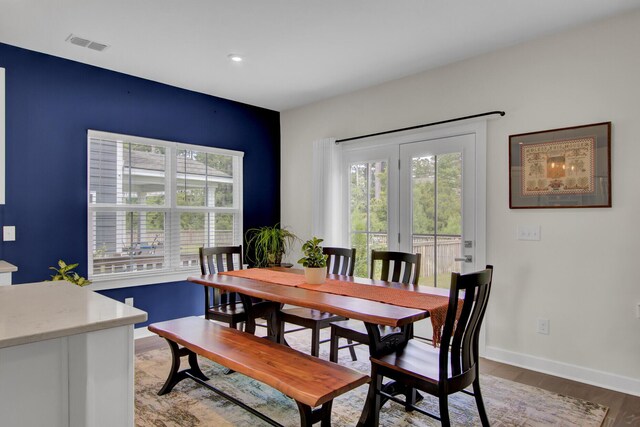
269,244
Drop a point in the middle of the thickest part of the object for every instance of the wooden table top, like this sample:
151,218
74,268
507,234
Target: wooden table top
353,308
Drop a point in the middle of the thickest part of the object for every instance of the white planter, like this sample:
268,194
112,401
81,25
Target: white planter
316,275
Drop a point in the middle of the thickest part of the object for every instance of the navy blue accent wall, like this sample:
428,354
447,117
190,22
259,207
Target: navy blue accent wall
50,105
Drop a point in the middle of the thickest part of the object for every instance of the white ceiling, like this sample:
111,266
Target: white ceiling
297,51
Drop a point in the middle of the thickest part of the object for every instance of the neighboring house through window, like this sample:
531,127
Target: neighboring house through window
153,203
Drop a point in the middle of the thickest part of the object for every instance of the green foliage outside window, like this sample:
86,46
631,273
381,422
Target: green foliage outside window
369,200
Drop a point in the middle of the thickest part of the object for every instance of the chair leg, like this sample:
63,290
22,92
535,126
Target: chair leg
281,335
352,350
333,351
315,341
410,399
480,403
443,401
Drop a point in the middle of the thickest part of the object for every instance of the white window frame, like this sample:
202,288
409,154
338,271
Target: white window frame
173,271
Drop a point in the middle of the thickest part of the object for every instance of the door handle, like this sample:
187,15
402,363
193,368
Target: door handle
467,258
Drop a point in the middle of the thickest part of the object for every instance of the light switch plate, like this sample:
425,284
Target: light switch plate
528,232
9,233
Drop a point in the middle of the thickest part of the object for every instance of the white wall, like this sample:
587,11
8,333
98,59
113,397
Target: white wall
582,274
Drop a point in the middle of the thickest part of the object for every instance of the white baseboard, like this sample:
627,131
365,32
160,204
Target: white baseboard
142,333
565,370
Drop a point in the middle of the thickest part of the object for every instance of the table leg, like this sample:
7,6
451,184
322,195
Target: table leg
262,309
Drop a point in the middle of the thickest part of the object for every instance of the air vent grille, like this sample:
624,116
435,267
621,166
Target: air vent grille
79,41
97,46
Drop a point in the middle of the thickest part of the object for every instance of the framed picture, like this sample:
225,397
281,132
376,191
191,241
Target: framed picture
561,168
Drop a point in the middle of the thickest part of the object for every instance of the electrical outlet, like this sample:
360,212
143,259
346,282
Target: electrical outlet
528,232
129,301
543,326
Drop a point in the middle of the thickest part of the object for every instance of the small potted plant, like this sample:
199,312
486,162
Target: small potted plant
65,272
268,244
314,262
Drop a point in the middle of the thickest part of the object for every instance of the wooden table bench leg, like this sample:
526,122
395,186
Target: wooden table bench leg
175,375
262,309
309,416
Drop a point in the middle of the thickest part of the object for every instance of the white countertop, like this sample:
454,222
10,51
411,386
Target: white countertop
5,267
41,311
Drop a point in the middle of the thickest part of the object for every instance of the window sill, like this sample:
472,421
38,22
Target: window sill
143,280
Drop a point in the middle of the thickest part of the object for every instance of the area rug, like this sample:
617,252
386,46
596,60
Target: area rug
508,403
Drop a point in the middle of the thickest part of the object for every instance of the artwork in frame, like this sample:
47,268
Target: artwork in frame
561,168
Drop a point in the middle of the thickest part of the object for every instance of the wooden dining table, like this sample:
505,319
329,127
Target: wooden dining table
264,299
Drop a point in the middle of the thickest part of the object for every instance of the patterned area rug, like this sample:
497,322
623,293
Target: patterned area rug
508,403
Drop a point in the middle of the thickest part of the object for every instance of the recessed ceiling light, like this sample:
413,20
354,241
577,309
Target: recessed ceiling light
235,57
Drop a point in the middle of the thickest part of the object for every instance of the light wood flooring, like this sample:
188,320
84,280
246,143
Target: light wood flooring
624,409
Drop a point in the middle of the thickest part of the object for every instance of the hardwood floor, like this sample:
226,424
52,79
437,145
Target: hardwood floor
624,409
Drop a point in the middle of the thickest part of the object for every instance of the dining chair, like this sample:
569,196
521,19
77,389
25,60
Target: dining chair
219,305
439,371
399,267
340,261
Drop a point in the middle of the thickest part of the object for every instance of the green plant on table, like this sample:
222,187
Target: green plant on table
313,256
65,272
269,244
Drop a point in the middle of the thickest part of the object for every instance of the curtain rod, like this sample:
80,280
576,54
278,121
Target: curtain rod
490,113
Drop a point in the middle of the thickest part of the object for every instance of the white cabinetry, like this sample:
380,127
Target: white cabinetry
67,366
6,270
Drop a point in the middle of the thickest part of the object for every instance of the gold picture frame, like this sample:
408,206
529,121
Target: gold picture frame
561,168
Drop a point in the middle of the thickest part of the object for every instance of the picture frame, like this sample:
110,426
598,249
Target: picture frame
561,168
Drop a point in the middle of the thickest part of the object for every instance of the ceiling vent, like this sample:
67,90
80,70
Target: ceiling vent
79,41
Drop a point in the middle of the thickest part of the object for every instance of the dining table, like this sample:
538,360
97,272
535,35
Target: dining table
377,303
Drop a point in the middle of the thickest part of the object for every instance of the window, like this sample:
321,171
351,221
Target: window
153,203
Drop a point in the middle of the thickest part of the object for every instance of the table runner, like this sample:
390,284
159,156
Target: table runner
435,305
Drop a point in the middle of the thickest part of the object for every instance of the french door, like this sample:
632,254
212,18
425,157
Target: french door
415,196
437,205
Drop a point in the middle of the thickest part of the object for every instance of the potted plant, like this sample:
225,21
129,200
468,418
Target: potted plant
314,262
269,244
65,272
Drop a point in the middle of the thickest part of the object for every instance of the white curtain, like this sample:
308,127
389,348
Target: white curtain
326,213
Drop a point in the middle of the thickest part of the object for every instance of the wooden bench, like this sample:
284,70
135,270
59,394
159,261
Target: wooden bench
310,381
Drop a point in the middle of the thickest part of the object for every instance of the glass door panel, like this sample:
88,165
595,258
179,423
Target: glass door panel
431,205
368,210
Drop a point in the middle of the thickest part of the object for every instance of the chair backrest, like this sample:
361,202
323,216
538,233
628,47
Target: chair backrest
220,258
468,296
341,260
406,266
